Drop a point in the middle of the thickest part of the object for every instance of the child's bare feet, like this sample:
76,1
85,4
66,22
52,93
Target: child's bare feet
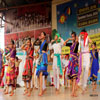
40,94
25,92
57,91
29,94
12,93
75,95
44,90
5,93
72,94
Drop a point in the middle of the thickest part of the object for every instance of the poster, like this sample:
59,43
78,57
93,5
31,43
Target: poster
77,15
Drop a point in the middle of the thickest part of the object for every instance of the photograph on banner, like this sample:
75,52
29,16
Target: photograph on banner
27,22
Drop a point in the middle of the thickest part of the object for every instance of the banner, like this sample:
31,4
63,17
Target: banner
77,15
65,50
88,15
95,38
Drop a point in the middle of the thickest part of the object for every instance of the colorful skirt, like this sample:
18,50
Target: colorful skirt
72,72
42,65
27,73
94,70
10,76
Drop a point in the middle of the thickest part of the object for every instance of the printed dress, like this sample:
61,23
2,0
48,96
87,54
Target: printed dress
72,72
94,65
43,60
27,72
10,75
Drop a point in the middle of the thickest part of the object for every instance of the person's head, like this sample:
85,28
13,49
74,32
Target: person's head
82,35
28,42
73,35
12,43
93,45
62,56
67,57
42,35
16,58
57,37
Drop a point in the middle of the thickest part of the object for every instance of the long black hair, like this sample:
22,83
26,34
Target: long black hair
94,43
44,33
29,39
12,41
83,30
73,33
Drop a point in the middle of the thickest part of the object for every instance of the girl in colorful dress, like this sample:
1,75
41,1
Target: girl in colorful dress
10,75
56,45
27,72
43,61
73,61
94,65
17,62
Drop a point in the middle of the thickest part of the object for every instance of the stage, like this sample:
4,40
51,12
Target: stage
51,95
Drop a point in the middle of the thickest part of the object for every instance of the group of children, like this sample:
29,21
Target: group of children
77,63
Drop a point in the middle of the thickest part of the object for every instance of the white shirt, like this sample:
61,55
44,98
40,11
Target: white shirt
84,48
56,47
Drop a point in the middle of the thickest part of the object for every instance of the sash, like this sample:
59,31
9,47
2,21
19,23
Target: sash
41,47
59,63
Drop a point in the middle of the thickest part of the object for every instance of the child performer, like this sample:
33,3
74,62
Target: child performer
35,78
94,65
43,61
66,82
84,65
17,62
10,75
73,61
27,72
57,68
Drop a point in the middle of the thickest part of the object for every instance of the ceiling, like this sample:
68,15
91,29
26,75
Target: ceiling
16,3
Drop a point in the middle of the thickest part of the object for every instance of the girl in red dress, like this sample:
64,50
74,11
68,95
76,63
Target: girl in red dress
27,72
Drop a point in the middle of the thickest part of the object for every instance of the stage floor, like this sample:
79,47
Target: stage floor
50,95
